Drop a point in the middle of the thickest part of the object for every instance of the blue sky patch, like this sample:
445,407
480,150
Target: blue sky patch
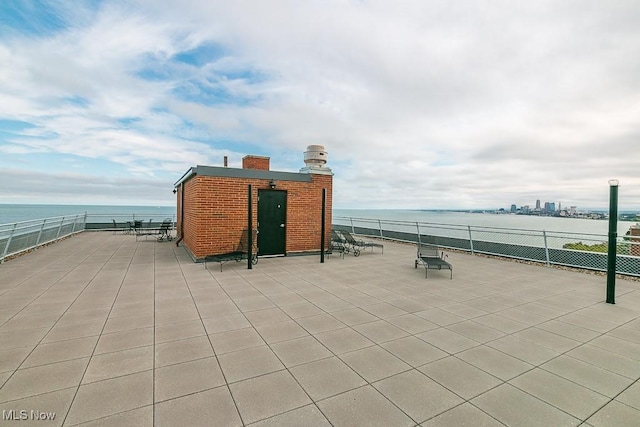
201,55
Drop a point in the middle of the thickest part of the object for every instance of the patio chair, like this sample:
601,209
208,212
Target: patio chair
357,244
432,258
164,232
241,252
338,243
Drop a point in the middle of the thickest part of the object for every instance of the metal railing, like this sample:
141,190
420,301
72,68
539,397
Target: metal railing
23,236
579,250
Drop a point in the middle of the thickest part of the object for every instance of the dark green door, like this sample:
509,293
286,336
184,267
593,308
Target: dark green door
272,221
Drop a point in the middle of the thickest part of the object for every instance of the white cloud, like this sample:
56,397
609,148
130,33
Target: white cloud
421,104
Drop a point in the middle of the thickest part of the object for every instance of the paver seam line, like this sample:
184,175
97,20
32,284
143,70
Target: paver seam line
226,383
105,322
62,314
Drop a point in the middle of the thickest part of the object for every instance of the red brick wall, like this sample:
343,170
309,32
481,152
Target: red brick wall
255,162
215,212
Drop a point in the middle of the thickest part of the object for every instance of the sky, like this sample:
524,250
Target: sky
420,104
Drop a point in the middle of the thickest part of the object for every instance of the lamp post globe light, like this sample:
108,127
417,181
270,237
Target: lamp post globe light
613,241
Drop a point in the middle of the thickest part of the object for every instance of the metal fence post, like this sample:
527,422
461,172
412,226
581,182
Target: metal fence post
380,227
44,221
546,247
60,228
352,229
470,241
6,247
418,228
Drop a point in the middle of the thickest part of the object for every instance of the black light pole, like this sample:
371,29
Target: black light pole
250,229
613,241
323,224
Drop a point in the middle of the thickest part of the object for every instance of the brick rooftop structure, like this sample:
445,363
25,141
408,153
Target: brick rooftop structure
213,207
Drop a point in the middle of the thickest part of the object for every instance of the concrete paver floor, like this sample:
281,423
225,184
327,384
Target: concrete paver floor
99,329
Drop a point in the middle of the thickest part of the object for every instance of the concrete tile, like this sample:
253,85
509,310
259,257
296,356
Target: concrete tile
10,360
61,333
343,340
300,350
500,323
185,314
178,331
374,363
380,331
363,407
253,303
204,408
21,338
320,323
124,340
383,310
267,317
268,395
568,330
354,316
227,342
514,407
119,324
249,363
229,322
615,414
447,340
494,362
308,416
20,323
476,331
305,309
463,415
417,395
29,382
464,310
411,323
561,393
326,377
547,339
624,348
182,351
50,408
60,351
523,349
141,417
187,378
283,331
414,351
590,376
111,365
605,359
631,396
109,397
460,377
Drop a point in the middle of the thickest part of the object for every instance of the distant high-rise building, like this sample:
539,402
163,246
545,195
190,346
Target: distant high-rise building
552,207
514,208
538,204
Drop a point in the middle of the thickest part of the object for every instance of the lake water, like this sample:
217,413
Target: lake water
10,213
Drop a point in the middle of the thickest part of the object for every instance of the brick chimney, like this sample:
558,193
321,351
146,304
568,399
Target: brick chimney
255,162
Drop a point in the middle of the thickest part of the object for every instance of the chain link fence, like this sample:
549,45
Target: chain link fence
578,250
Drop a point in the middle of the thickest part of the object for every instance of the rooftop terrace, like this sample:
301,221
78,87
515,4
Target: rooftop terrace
104,330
